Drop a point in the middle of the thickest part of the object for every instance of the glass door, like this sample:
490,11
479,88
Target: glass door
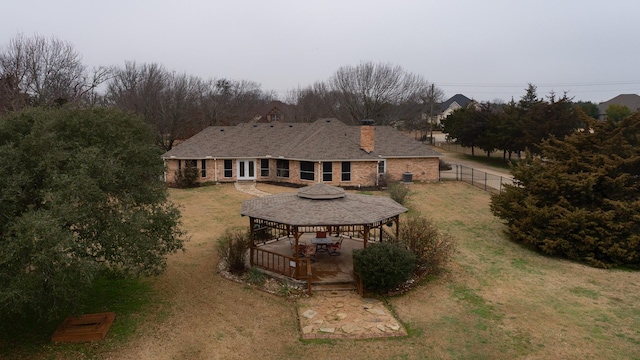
246,169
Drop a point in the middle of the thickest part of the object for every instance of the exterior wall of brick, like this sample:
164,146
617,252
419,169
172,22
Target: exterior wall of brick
425,169
367,137
214,170
363,173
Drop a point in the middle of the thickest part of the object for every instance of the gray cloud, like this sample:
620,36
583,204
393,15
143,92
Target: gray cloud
483,49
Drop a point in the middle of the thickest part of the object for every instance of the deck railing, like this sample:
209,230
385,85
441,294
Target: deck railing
281,264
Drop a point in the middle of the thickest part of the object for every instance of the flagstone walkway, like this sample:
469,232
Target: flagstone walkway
346,315
249,187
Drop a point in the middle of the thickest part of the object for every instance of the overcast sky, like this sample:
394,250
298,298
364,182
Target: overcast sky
485,50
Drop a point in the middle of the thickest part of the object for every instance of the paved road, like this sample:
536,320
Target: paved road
481,175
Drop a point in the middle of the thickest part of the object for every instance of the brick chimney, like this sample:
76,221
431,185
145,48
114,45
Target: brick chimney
367,135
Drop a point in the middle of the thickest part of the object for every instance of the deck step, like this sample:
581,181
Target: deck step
334,287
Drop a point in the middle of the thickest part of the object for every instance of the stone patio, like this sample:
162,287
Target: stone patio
346,315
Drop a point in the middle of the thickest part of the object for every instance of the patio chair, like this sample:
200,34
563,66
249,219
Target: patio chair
334,248
301,247
310,252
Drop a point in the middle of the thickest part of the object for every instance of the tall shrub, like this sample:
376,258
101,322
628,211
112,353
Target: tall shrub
399,193
431,247
232,247
187,177
383,266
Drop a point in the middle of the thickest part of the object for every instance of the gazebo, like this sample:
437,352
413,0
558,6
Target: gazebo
315,208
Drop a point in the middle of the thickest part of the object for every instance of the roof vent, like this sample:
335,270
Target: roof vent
367,122
254,125
221,129
290,125
321,192
270,125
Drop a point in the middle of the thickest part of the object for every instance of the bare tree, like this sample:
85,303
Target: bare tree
48,70
376,91
230,102
169,102
431,101
11,97
178,106
180,115
312,102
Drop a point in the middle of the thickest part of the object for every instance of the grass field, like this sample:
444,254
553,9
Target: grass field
497,301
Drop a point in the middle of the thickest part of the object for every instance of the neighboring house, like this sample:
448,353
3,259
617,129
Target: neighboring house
632,101
272,112
325,151
445,109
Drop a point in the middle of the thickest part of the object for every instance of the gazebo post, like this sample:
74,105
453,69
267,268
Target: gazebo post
296,235
251,236
396,219
365,235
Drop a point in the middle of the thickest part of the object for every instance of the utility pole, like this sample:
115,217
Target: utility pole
431,100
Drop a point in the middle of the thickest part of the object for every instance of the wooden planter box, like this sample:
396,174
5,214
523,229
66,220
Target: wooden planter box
90,327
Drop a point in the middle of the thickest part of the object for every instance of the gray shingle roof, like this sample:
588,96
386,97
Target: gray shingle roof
289,208
459,98
324,139
632,101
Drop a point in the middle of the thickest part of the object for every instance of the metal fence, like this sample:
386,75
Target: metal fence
475,177
458,149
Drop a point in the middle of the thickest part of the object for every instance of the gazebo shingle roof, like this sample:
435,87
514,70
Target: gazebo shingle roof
289,208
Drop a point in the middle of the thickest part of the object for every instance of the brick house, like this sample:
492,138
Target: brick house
272,112
325,151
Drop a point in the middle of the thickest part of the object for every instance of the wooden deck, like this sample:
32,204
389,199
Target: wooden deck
325,269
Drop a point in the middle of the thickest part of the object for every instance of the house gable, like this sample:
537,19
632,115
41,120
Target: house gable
632,101
454,103
275,111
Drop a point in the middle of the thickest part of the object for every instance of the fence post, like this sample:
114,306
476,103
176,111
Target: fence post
309,275
485,181
471,176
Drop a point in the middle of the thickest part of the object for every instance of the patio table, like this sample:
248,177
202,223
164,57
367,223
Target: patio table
321,243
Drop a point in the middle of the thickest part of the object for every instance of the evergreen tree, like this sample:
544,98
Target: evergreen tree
589,108
465,127
453,124
543,119
485,121
82,195
529,99
580,198
509,129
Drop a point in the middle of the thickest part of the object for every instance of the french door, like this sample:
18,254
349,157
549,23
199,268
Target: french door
246,169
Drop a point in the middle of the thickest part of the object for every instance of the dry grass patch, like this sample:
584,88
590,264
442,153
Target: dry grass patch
498,300
505,301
